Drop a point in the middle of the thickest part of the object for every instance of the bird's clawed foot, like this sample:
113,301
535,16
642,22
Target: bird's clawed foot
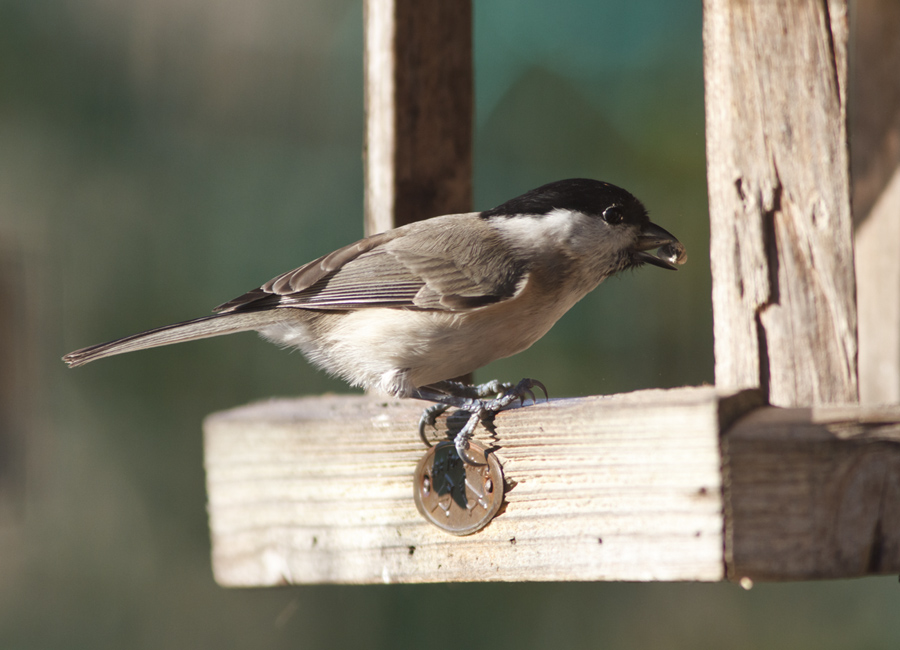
474,400
429,419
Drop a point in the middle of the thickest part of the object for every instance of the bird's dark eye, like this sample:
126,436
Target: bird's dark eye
613,215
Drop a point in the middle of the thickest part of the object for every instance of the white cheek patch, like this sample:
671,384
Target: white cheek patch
535,231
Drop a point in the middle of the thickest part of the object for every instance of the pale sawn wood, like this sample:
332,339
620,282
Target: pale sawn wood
319,489
625,487
875,172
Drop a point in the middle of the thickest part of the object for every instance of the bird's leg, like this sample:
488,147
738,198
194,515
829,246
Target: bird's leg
472,399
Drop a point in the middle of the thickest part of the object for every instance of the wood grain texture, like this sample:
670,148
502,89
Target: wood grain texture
419,104
813,493
314,490
780,226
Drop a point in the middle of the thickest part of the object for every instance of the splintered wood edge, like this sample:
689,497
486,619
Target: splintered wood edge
319,489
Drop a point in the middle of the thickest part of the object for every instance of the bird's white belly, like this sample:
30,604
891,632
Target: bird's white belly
398,350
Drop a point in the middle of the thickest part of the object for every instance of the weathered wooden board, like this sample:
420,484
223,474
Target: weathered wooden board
813,493
419,104
781,247
626,487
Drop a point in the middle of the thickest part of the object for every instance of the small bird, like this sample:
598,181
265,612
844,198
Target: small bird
405,311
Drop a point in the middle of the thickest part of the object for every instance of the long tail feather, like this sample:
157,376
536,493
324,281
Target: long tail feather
199,328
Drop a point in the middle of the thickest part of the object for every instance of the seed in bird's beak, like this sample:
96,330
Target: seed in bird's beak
673,253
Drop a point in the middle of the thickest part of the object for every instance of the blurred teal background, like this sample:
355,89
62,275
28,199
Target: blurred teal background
158,157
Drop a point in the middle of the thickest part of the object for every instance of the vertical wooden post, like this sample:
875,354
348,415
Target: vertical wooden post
875,163
418,78
784,299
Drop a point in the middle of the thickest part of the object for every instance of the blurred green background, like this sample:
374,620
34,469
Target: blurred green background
158,157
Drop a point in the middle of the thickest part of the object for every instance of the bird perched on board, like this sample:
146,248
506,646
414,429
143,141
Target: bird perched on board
407,310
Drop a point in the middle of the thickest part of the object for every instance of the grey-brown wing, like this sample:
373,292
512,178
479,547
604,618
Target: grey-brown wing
460,267
409,267
300,279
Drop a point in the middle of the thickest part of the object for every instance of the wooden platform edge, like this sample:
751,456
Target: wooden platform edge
621,487
686,484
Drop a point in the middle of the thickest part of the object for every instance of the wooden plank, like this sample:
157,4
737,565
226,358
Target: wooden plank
878,298
875,164
813,493
779,197
625,487
419,104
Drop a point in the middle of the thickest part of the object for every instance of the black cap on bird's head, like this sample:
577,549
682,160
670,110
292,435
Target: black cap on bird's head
605,201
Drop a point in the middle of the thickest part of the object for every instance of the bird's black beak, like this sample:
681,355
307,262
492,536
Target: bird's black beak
652,237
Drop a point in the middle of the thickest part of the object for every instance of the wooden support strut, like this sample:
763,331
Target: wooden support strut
418,79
